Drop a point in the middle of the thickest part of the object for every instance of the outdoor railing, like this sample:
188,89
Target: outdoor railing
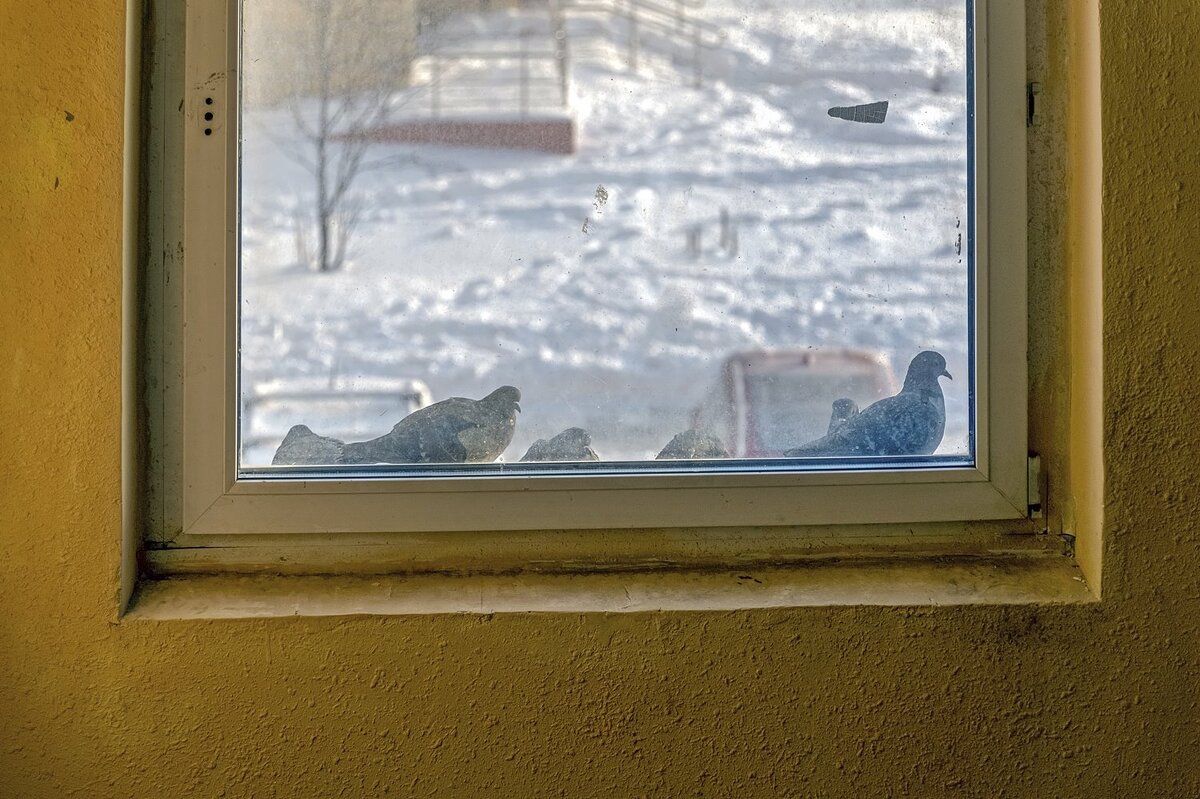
540,79
670,20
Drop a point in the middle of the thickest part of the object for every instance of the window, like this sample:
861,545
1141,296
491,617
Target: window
333,284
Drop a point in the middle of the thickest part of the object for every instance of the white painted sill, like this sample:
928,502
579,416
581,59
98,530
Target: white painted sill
1016,579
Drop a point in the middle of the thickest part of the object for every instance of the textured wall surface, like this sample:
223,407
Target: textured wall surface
1092,701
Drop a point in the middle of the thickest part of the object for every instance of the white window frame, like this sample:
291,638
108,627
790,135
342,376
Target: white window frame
215,503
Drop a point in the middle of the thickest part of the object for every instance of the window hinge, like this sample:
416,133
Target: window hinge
1033,485
1032,90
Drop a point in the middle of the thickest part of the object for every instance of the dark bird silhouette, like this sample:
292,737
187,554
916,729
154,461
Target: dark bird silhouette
910,423
572,444
692,444
867,112
455,430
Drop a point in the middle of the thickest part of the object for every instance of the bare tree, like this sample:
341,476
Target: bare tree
352,59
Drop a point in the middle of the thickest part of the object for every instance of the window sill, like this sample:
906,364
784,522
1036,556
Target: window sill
1024,578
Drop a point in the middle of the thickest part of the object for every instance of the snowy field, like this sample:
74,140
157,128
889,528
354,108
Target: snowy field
571,276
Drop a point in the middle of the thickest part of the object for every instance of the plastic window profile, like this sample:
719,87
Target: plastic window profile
216,504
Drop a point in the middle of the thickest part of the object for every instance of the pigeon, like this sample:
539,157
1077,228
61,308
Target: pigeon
455,430
302,447
910,423
693,444
572,444
843,411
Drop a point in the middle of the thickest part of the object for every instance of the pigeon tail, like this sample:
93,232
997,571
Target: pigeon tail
302,447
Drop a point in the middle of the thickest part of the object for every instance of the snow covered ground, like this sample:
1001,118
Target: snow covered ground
571,277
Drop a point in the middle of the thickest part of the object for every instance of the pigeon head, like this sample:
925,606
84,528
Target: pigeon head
505,397
926,368
844,408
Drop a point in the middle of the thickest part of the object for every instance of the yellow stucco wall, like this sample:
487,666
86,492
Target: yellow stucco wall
1097,700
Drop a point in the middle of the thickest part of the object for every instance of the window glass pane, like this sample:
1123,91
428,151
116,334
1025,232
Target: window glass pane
677,229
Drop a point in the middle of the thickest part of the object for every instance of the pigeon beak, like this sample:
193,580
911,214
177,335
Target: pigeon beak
517,405
946,374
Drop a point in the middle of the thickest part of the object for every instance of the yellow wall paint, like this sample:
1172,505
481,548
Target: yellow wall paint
1093,701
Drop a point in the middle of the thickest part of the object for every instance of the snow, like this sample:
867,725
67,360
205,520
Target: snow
570,276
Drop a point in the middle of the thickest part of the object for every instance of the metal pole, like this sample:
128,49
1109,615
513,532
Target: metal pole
524,74
696,80
564,65
434,86
633,36
562,62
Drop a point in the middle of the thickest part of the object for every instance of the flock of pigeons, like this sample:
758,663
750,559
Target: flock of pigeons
460,430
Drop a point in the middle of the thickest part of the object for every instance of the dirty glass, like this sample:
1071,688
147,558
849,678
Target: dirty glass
583,234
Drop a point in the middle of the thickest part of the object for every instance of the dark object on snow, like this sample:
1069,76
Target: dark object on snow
303,447
910,423
455,430
692,444
572,444
870,112
843,411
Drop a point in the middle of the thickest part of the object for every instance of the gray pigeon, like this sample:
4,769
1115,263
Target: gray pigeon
910,423
455,430
692,444
303,447
572,444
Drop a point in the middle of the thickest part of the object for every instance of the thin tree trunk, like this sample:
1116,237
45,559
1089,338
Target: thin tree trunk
346,77
323,125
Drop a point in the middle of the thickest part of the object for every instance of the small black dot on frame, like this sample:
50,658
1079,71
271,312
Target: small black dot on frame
208,131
